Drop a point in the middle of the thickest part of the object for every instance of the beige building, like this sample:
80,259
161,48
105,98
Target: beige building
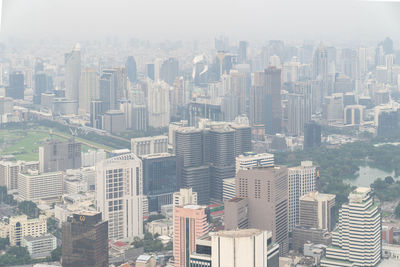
266,189
161,227
316,210
149,145
236,215
21,226
146,261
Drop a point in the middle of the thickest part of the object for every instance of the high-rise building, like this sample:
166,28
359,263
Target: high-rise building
169,71
266,189
190,223
316,210
299,108
85,240
265,100
242,53
43,84
9,171
320,63
192,158
184,197
88,89
312,135
253,160
357,239
60,156
73,73
236,215
159,179
108,89
119,193
301,180
114,121
131,70
244,247
97,110
34,186
158,104
16,87
150,71
149,145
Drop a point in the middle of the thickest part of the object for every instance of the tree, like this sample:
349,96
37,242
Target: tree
148,236
56,254
137,242
52,225
169,246
4,242
389,180
29,208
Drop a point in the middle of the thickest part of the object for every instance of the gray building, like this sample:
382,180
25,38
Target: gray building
236,215
40,247
114,121
60,156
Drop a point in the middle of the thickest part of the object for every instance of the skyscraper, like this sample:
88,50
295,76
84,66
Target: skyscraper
16,87
169,70
312,135
43,84
131,70
320,63
88,89
85,240
190,222
316,210
73,74
301,180
242,53
357,239
299,108
119,193
158,104
266,189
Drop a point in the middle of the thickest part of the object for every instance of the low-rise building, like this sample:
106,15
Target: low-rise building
41,246
161,227
21,226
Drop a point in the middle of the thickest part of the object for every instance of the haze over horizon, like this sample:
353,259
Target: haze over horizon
175,19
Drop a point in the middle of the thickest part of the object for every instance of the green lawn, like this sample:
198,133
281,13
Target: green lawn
24,144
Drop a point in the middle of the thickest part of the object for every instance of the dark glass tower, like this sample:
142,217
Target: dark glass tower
131,69
85,240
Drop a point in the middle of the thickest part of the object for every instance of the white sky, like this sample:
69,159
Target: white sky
196,19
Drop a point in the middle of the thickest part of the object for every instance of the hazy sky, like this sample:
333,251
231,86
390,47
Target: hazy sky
197,19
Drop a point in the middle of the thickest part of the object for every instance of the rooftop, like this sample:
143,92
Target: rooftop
238,233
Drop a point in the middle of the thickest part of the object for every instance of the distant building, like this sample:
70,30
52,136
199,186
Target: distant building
185,196
40,247
9,171
316,210
131,69
190,222
60,156
357,240
73,74
149,145
353,115
88,89
16,87
114,121
253,160
312,135
85,240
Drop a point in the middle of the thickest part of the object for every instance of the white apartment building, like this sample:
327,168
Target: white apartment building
301,180
356,241
149,145
35,186
21,226
119,195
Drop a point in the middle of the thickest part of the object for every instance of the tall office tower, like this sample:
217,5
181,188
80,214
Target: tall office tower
73,73
149,145
159,179
178,96
157,69
108,90
35,186
312,135
131,70
299,108
88,89
114,121
236,214
301,180
119,195
169,70
252,160
192,161
320,63
59,156
267,192
362,61
16,85
158,104
238,88
265,100
222,159
97,110
316,210
184,197
190,223
356,241
388,123
350,61
244,247
333,107
43,84
242,53
85,240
